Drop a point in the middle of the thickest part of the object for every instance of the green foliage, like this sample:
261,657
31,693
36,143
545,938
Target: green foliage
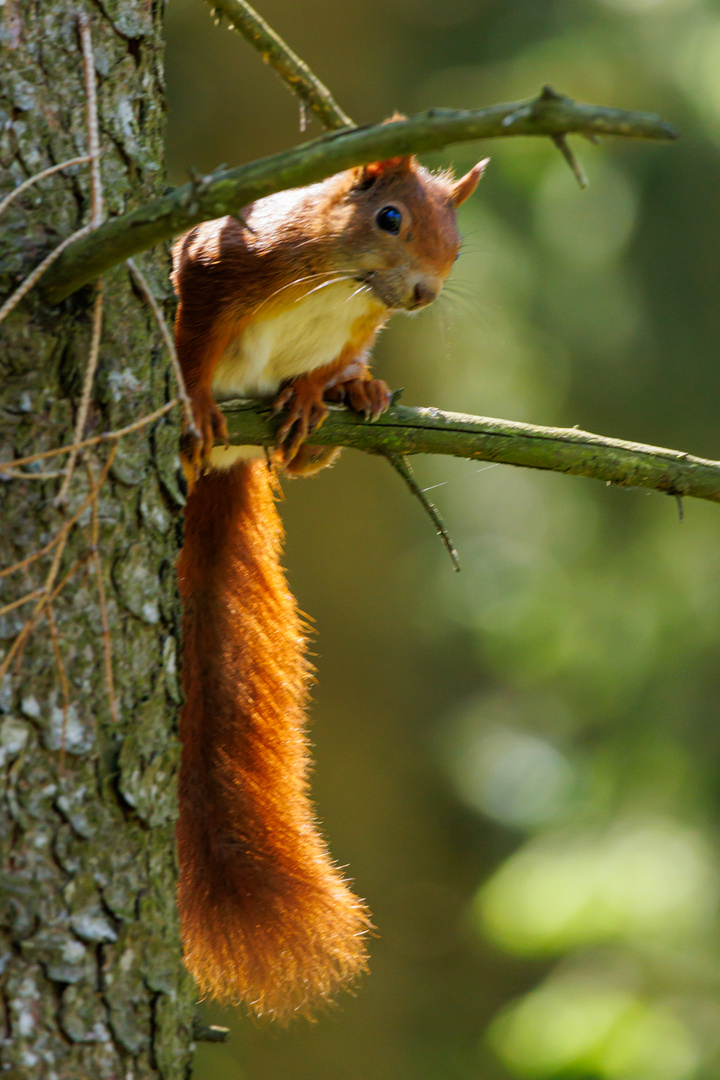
516,762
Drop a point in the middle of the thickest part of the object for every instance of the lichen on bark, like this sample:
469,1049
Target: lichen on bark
92,982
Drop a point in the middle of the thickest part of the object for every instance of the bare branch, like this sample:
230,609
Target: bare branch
92,121
49,589
291,69
34,595
7,467
402,430
402,466
61,497
105,622
40,176
170,345
25,286
62,678
229,190
575,166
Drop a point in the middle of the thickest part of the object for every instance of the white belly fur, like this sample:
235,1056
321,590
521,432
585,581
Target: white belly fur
308,333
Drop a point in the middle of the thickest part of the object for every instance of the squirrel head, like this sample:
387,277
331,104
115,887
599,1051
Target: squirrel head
394,229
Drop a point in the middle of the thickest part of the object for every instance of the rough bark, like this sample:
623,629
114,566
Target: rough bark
92,979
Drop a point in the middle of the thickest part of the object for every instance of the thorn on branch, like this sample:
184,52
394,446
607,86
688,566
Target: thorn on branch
577,169
401,465
170,214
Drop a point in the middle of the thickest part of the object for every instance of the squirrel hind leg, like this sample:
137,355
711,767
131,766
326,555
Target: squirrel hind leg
310,459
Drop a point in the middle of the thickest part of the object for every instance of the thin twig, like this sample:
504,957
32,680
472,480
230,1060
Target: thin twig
55,565
18,474
94,156
227,191
402,466
16,649
47,594
96,216
61,497
291,69
25,286
170,344
22,600
574,163
62,676
50,544
62,532
77,565
429,431
94,440
41,176
107,640
20,642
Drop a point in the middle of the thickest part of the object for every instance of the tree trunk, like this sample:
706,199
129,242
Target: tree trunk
92,979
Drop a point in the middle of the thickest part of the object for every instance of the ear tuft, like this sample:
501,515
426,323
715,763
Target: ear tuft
376,169
391,165
463,188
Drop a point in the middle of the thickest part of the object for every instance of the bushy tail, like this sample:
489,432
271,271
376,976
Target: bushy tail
267,919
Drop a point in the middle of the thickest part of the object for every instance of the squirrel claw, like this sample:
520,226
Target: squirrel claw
307,410
371,397
212,426
282,399
305,399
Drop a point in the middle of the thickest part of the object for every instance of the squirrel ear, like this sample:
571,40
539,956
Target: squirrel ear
370,173
375,169
463,188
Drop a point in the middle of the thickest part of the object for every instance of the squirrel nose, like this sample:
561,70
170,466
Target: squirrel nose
424,293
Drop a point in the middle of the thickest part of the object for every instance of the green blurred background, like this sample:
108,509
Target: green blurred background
518,762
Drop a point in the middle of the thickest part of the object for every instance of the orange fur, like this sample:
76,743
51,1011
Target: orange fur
266,917
288,307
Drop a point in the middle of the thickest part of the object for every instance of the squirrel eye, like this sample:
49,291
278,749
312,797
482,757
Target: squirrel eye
389,219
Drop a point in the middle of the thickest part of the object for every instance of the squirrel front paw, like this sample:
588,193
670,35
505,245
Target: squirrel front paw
303,398
371,397
211,425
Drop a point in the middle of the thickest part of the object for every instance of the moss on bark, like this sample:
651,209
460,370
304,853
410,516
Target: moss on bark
92,979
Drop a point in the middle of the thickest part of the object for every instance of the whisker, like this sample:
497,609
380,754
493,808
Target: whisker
318,239
443,317
323,285
459,302
454,479
299,281
460,285
364,287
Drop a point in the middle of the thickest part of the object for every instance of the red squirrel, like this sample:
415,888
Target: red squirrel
284,301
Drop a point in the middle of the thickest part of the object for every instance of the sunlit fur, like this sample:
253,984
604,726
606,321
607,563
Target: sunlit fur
266,917
299,292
